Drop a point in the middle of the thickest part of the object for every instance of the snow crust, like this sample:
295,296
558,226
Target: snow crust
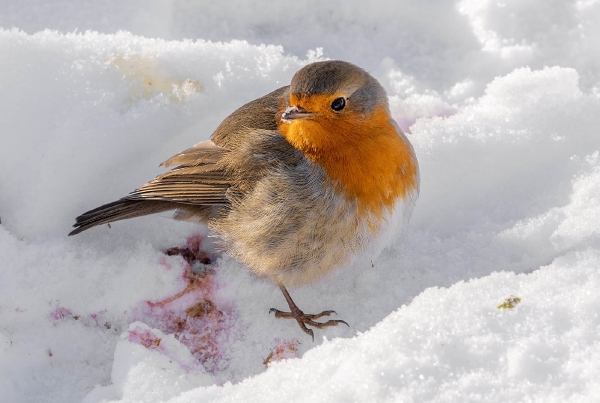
509,206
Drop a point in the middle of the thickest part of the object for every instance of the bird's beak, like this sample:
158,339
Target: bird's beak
295,112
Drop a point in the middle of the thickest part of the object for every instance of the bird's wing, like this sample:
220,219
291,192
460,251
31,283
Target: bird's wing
206,176
197,182
197,178
201,176
205,152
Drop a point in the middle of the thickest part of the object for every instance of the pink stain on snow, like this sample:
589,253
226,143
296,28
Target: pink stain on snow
145,338
92,320
284,349
61,313
193,251
163,262
195,315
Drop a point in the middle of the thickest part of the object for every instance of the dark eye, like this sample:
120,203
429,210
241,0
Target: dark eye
338,104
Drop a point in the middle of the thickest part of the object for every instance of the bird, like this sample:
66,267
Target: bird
295,184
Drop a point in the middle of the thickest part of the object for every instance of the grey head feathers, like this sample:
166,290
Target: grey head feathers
362,92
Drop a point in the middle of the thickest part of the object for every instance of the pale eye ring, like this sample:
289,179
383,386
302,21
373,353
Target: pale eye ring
338,104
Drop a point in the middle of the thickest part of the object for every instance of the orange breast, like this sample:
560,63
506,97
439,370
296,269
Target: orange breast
365,155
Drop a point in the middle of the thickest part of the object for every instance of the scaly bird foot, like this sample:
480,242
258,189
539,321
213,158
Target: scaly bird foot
305,319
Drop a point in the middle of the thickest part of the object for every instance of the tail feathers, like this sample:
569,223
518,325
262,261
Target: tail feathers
119,210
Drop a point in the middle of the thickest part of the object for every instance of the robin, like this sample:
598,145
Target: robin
294,184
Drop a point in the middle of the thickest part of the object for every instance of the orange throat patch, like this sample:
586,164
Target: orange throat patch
365,155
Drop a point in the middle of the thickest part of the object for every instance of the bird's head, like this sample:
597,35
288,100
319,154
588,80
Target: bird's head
333,104
338,116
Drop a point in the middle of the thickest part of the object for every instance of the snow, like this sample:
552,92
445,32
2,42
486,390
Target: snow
501,101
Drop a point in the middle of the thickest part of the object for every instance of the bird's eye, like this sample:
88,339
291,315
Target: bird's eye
338,104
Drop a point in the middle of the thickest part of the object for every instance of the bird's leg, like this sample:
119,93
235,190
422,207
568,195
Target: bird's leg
302,318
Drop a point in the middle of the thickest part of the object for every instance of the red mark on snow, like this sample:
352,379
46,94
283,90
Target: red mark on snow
283,350
146,338
92,320
61,313
163,262
192,252
196,316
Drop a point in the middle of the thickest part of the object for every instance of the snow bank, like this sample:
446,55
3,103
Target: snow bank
454,345
451,47
147,311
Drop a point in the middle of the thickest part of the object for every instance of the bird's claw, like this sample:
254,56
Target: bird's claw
305,320
302,318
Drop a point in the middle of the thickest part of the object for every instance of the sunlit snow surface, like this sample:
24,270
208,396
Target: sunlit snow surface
147,310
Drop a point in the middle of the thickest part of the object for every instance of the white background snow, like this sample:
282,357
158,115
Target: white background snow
502,103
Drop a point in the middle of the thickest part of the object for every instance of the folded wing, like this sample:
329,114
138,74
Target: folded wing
196,180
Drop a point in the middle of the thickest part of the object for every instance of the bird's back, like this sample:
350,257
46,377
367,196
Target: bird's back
259,114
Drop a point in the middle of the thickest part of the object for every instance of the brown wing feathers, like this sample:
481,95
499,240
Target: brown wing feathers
197,180
205,152
185,185
199,183
118,210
